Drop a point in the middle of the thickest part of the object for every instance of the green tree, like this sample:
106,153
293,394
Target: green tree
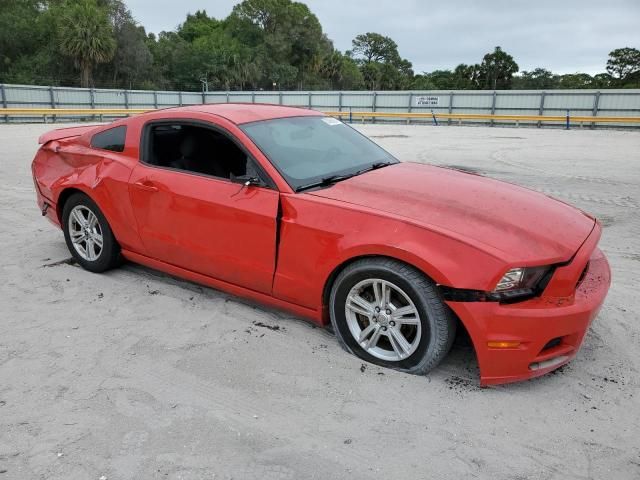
17,32
623,63
575,80
422,82
537,79
340,72
463,77
602,80
286,39
497,70
168,51
28,48
198,25
218,58
373,47
380,63
86,36
132,60
466,77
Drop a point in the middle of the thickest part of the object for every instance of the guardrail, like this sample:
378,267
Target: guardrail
70,112
566,119
349,115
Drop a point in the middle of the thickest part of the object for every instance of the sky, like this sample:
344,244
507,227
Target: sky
564,36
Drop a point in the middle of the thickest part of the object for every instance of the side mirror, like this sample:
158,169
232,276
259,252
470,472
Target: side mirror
246,180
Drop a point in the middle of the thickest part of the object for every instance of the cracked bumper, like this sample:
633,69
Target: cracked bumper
550,329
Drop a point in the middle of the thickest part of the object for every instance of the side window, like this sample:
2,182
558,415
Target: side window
112,139
195,149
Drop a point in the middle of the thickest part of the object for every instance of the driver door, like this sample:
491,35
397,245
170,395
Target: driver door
206,224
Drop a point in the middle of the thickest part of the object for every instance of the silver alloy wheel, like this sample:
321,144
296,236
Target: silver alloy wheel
383,319
85,233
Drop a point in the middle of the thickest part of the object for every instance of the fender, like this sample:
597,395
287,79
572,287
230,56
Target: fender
302,274
102,176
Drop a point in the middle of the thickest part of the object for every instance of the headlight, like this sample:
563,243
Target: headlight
511,280
521,281
517,285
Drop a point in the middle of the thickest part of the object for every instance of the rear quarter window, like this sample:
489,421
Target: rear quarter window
112,139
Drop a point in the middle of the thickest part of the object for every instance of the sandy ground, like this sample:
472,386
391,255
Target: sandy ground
135,375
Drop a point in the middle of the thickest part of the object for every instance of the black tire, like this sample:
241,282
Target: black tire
437,322
109,256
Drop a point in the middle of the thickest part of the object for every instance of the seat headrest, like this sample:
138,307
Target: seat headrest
188,146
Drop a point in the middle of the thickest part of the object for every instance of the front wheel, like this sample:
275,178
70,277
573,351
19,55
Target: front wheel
88,235
390,314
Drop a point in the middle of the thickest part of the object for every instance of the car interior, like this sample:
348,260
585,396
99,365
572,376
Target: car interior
196,149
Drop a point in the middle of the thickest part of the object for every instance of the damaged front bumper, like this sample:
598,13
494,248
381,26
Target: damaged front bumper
519,341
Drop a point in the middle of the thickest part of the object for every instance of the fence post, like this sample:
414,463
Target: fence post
126,99
228,96
340,101
596,103
3,97
155,99
435,120
52,95
350,115
204,98
450,106
253,97
568,122
373,107
541,109
280,97
92,101
493,105
180,98
309,100
410,106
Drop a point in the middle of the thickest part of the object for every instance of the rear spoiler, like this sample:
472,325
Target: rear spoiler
61,133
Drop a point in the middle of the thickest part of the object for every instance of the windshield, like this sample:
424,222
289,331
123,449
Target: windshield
308,150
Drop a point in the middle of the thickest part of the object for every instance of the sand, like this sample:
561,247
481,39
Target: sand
136,375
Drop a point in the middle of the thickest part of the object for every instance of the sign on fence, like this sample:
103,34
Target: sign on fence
430,101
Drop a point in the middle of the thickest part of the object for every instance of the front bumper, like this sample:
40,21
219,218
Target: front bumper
550,328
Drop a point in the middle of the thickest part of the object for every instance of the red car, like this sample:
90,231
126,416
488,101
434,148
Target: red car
297,210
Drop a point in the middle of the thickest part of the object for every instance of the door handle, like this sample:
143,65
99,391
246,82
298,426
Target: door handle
145,185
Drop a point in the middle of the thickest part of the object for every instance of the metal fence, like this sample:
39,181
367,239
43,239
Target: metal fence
603,103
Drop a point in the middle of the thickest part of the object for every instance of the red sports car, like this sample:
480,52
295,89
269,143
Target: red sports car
295,209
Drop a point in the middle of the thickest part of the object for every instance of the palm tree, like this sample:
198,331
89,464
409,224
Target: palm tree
86,35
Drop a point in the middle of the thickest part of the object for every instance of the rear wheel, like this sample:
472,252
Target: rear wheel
390,314
88,235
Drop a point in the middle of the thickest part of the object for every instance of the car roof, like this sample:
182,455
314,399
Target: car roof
240,113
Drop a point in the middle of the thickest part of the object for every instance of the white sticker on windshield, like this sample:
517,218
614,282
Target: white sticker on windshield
331,121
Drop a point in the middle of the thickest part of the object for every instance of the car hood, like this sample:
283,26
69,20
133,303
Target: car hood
513,222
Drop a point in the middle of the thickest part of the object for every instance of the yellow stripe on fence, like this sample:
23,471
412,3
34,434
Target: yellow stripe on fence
495,118
36,112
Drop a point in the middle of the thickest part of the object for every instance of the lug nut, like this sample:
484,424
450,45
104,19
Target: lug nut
393,324
377,309
388,312
384,329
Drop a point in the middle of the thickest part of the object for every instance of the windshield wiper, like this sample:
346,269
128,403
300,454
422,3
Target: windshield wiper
377,165
331,179
326,181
